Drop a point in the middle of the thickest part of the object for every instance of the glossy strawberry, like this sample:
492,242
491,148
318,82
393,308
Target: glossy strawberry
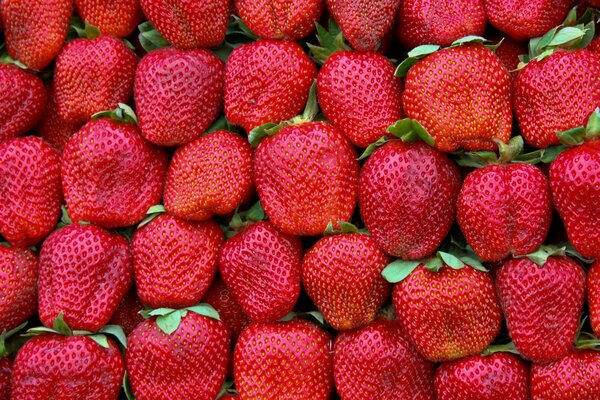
266,81
127,315
30,192
35,31
292,358
51,127
378,362
84,273
230,311
508,52
593,296
113,17
210,176
5,377
113,182
360,95
18,287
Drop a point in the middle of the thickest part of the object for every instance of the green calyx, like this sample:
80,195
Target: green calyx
66,220
150,38
152,213
6,59
168,319
406,129
500,348
541,255
330,41
241,219
123,114
80,29
315,315
507,152
580,134
227,388
5,349
340,228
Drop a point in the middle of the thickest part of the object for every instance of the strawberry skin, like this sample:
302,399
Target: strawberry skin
84,273
92,76
30,193
291,358
52,366
462,96
5,375
230,311
407,198
113,17
360,95
35,30
51,127
210,176
18,287
342,275
114,182
261,266
593,296
541,302
266,81
127,315
195,86
378,362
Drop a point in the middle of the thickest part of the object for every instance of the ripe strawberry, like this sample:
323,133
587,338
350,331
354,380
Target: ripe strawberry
52,366
593,296
306,176
280,19
211,175
20,111
342,275
51,127
364,23
508,52
113,17
541,302
462,96
127,315
230,311
261,266
378,362
360,95
93,75
420,22
594,46
5,377
291,358
30,190
189,24
407,198
496,377
18,287
35,31
266,81
114,182
84,273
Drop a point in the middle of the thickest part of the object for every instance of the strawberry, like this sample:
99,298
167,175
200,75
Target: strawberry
185,357
407,197
195,85
230,311
594,46
284,358
31,193
211,175
420,22
593,296
127,315
18,288
342,275
378,362
266,81
5,377
541,301
497,376
508,51
280,19
51,127
364,23
261,267
93,75
114,182
115,18
189,25
84,273
35,31
20,111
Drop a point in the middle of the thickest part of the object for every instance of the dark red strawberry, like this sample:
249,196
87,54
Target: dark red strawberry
377,362
230,311
112,17
594,46
30,190
127,315
5,377
52,128
293,359
18,287
508,52
593,296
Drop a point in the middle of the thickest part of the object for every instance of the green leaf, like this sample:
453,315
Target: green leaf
127,387
255,213
318,316
398,270
372,147
170,322
566,35
160,311
150,38
572,137
330,40
122,114
433,264
571,17
289,316
450,260
100,339
511,150
540,256
220,124
152,213
312,107
504,348
260,132
423,50
469,39
61,326
405,66
474,262
91,32
117,332
592,128
205,309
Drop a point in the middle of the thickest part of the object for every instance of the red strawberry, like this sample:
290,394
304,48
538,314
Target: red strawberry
593,296
284,358
189,24
115,181
35,31
113,17
364,23
20,111
508,52
230,311
261,266
306,176
18,287
5,377
127,315
266,81
195,86
541,302
52,128
360,95
498,376
84,273
594,46
92,76
30,190
342,275
175,261
420,22
280,19
407,198
377,362
211,175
